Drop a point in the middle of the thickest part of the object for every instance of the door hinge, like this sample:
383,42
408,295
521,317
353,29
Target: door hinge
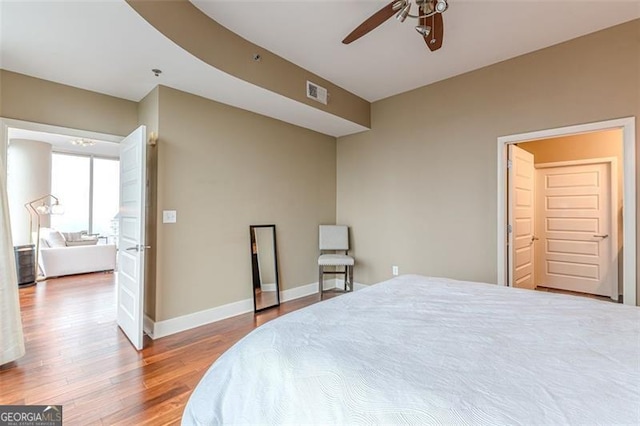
509,229
509,164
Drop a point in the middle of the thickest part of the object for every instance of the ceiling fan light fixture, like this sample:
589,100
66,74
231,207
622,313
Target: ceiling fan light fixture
397,5
423,29
402,15
441,6
57,208
83,142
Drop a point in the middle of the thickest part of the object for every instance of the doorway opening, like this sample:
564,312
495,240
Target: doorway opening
62,193
567,216
63,180
131,214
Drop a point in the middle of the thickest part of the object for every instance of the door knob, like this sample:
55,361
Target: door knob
534,238
138,247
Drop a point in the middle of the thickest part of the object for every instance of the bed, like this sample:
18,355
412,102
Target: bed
422,350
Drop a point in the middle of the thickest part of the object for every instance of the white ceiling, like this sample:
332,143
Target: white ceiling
62,143
393,58
105,46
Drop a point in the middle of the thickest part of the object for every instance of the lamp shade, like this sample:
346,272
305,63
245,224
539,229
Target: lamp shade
423,29
402,15
57,209
43,209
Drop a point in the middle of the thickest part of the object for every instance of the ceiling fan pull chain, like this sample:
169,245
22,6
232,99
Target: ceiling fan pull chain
433,24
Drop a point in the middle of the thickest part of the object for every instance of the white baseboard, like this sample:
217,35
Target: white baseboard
339,284
298,292
159,329
148,325
196,319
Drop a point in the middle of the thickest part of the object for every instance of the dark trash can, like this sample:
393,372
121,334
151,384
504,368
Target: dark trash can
26,264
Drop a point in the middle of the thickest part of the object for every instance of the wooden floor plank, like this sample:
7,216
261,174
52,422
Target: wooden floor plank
76,356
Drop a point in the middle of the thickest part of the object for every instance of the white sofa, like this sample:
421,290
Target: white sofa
68,254
59,261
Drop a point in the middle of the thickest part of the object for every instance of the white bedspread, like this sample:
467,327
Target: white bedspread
430,350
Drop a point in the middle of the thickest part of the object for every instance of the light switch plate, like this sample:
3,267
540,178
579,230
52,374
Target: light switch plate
169,216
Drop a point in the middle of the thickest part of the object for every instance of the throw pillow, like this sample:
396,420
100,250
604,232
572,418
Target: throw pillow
56,239
72,236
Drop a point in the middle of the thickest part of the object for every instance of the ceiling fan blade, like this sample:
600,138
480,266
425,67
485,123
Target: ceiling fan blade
434,38
374,21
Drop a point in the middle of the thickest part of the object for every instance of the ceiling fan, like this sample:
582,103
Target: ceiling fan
429,17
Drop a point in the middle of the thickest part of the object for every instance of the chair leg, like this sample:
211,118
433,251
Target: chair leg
320,279
351,278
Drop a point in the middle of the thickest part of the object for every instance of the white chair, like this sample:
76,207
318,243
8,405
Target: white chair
335,238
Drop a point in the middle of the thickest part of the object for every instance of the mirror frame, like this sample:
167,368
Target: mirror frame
252,229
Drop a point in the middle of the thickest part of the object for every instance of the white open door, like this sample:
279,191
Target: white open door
131,241
521,214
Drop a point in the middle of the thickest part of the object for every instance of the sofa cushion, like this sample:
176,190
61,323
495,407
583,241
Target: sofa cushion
72,236
79,239
61,261
54,238
43,242
86,242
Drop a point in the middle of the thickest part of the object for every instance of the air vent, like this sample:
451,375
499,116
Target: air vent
316,92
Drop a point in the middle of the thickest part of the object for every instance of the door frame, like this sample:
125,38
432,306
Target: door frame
6,123
612,162
628,127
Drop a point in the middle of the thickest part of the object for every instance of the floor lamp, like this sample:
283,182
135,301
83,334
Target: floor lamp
45,205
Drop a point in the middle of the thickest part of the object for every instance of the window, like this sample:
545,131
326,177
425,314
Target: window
88,188
106,196
70,182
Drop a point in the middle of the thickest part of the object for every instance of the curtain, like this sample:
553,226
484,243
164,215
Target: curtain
11,338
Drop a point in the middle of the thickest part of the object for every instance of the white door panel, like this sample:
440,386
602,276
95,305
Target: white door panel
572,180
131,243
521,218
575,211
569,225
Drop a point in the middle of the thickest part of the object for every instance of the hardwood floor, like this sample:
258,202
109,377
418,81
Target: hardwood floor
576,293
77,357
265,298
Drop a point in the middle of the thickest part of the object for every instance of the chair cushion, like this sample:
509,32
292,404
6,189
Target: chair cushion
333,237
335,260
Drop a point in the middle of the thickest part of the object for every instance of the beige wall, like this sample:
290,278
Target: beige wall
219,167
224,169
419,189
578,147
606,144
217,46
41,101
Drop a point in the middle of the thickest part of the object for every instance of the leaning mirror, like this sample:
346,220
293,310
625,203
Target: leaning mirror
264,263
